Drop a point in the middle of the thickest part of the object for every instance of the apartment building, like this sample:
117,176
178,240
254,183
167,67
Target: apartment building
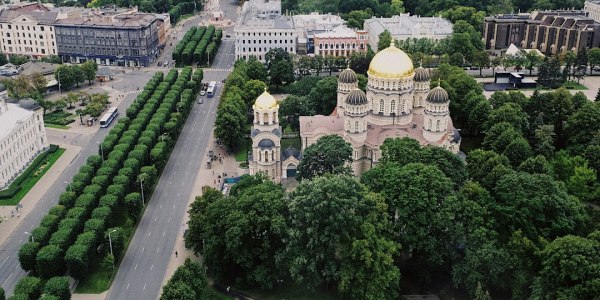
551,32
261,27
592,7
27,29
124,38
22,137
341,41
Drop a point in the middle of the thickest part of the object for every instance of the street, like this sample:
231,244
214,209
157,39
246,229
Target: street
143,268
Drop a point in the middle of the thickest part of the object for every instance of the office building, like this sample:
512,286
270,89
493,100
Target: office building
405,26
22,137
551,32
341,41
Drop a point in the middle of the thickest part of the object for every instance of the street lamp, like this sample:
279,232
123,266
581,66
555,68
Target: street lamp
58,78
101,150
142,189
31,235
110,245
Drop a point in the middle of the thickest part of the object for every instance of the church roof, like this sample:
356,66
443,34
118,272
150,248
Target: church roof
348,76
357,97
266,143
438,95
422,74
290,152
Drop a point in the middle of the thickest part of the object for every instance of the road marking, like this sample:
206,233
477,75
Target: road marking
165,196
178,195
155,219
164,232
20,242
160,205
4,261
149,233
151,267
169,220
9,276
143,248
173,205
135,267
144,287
157,249
128,286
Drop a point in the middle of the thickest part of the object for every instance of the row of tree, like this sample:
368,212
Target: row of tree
70,75
67,238
55,288
198,45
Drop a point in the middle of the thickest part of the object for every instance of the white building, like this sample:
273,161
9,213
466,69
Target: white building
593,9
22,137
28,29
260,28
405,26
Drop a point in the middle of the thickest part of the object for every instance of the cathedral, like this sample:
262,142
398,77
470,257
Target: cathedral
398,103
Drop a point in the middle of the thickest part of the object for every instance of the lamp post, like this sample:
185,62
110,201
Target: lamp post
101,150
142,189
31,235
58,78
110,245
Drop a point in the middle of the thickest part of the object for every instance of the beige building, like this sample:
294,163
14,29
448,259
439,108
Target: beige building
267,157
28,29
405,26
398,103
22,137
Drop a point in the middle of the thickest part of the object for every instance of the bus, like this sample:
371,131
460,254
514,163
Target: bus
108,117
212,86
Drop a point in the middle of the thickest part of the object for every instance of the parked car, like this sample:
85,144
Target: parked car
200,100
202,93
160,63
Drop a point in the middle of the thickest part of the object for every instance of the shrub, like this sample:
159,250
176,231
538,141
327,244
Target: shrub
27,255
42,234
49,262
30,286
77,260
58,210
67,199
59,287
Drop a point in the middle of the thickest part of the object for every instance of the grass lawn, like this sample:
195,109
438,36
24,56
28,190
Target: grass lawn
100,276
573,85
295,142
242,153
34,176
292,292
56,126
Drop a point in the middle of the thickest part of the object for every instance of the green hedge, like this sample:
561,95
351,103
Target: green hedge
16,186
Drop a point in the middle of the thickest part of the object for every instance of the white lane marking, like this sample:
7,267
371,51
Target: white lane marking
169,220
143,248
178,195
135,267
20,242
164,232
157,249
4,261
155,219
9,276
144,287
151,267
173,205
166,192
161,205
128,286
149,233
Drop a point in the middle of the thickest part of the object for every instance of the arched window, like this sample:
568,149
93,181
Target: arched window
274,117
437,126
356,126
265,119
381,105
393,106
429,124
267,155
256,118
259,155
273,154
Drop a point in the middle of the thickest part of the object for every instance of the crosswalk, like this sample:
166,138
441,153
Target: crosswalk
217,70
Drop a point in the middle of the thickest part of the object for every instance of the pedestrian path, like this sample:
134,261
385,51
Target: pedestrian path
217,70
13,216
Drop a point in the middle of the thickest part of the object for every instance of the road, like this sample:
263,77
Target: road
143,268
10,269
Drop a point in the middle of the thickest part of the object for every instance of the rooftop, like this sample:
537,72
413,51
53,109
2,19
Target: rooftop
131,20
11,118
338,32
263,14
407,25
34,67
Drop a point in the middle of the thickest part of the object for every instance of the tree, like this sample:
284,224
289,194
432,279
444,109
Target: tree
292,108
330,154
53,59
230,124
279,66
510,113
569,269
27,254
532,60
536,165
549,73
197,215
49,262
487,167
582,125
18,59
253,89
594,58
356,18
537,205
30,286
256,70
324,250
323,96
480,59
38,83
517,151
3,59
89,69
385,40
78,74
178,291
544,140
59,287
65,76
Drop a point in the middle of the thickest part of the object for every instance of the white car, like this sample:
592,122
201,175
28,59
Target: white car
200,100
202,93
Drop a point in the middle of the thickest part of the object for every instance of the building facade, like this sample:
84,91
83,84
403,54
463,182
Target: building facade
28,29
260,28
398,103
267,157
122,38
341,41
551,32
592,7
405,26
22,137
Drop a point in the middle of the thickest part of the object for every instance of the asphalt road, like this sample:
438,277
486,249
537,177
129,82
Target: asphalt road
143,268
10,269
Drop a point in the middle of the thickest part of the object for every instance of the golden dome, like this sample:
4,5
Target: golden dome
265,101
391,62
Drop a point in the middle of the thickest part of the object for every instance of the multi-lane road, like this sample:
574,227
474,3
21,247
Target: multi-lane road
144,265
10,269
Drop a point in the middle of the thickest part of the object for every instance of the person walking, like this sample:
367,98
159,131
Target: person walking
176,253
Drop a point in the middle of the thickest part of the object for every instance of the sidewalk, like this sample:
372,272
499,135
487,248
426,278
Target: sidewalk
35,194
204,177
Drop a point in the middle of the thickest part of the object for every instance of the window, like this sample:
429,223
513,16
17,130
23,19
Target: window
429,124
437,126
266,156
381,106
356,126
393,106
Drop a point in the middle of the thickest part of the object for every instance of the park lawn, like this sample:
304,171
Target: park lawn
573,85
294,142
242,152
56,126
32,178
101,276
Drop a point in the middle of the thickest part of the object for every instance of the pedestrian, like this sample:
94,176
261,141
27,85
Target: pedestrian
175,253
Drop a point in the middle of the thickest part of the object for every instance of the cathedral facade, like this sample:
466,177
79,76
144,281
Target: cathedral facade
398,103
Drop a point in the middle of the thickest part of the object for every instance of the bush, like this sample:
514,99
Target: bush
58,210
30,286
59,287
49,262
67,199
42,234
77,260
27,255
